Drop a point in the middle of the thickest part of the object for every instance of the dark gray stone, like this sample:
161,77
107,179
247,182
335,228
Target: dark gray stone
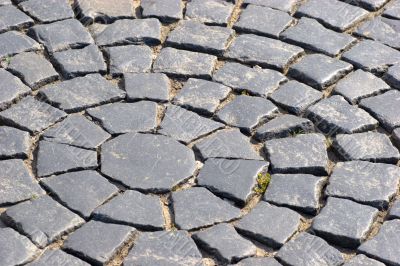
304,195
301,154
371,5
363,260
14,143
212,12
225,243
82,92
104,11
80,191
309,250
392,10
384,246
310,34
57,257
55,158
61,35
364,182
368,146
13,42
47,11
152,86
184,63
166,11
197,207
262,51
147,162
284,5
392,76
43,220
269,224
227,143
98,242
381,29
335,115
232,179
190,35
11,88
259,262
31,115
11,18
128,59
395,210
256,81
133,208
15,248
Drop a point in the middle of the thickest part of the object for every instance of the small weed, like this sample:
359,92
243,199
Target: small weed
6,61
245,93
263,180
297,132
34,197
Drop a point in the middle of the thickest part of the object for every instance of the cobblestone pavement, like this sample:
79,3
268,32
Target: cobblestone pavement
202,132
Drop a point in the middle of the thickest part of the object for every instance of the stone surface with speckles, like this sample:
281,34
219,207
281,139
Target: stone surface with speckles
381,29
47,11
166,11
15,249
13,42
363,260
14,143
54,257
285,5
11,88
129,59
395,210
151,86
212,12
11,18
104,11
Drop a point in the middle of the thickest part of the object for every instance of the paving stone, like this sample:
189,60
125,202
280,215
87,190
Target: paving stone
304,194
184,63
11,18
82,92
232,179
147,162
16,183
392,76
103,10
396,136
57,257
190,35
55,158
261,261
5,2
202,95
319,71
15,248
301,154
133,208
371,5
262,51
227,143
392,10
47,11
13,42
395,210
364,182
81,191
186,126
384,246
212,12
363,260
76,130
368,146
263,21
152,86
309,250
126,31
128,59
98,242
337,15
166,11
256,81
164,248
359,85
31,115
308,34
295,97
269,224
14,143
43,220
372,56
118,118
61,35
246,112
33,69
381,29
218,241
344,222
335,115
285,5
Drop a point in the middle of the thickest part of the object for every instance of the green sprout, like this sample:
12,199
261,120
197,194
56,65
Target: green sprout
263,180
297,132
34,197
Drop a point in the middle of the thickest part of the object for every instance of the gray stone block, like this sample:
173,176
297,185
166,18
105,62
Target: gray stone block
212,12
15,248
130,58
57,257
104,11
11,18
152,86
47,11
166,11
13,42
14,143
11,88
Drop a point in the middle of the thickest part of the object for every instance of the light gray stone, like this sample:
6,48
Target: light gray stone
212,12
395,210
14,143
371,5
392,76
47,11
284,5
392,10
11,88
11,18
381,29
103,10
15,248
57,257
166,11
130,58
363,260
13,42
152,86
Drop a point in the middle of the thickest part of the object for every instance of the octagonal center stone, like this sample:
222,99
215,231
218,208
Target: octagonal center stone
147,162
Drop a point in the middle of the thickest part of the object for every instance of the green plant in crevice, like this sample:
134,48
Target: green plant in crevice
263,180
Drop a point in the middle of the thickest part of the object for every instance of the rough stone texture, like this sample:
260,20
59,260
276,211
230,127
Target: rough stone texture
15,248
368,146
212,12
218,239
13,42
43,220
335,115
396,136
381,29
371,5
11,88
256,81
98,242
133,208
395,210
57,257
269,224
392,10
262,51
14,143
152,86
363,260
184,63
5,2
319,71
166,11
384,246
301,154
392,76
128,59
284,5
197,207
103,10
364,182
47,11
263,261
305,193
147,162
232,179
119,118
11,18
